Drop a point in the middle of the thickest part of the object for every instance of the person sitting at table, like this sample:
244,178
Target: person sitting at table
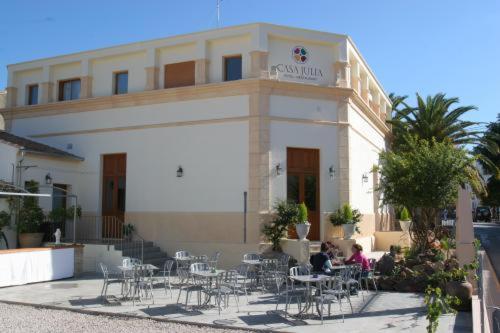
320,261
358,258
332,250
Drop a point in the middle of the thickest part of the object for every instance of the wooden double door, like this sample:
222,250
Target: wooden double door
114,185
303,185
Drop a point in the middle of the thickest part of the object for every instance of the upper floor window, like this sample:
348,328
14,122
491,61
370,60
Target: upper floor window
33,94
121,83
180,74
232,68
69,89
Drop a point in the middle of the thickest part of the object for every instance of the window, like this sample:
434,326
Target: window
232,68
69,89
121,83
180,74
33,94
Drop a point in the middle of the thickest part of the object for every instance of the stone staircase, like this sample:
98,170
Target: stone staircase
152,254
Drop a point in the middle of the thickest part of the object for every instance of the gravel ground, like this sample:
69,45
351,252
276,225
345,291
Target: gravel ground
16,318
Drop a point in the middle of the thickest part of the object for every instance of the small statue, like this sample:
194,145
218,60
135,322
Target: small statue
57,234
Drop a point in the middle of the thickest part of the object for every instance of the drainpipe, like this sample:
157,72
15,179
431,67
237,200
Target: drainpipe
245,217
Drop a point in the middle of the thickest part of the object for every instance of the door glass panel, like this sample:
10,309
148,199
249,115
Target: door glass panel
310,192
108,195
292,187
121,194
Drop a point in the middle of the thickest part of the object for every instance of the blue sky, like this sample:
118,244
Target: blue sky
424,46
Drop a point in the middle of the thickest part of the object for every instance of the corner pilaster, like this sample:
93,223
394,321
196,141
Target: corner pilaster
86,86
11,99
258,63
152,75
343,153
201,71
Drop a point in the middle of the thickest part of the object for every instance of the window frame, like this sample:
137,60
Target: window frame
115,82
28,92
60,92
224,66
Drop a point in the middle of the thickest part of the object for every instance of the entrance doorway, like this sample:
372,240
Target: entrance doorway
303,185
113,194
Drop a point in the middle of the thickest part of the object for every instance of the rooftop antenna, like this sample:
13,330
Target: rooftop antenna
218,13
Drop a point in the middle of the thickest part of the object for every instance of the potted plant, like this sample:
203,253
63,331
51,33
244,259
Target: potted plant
303,226
128,230
348,218
404,220
30,219
286,215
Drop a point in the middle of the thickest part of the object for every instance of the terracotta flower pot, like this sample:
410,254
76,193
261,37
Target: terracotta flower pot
30,239
462,290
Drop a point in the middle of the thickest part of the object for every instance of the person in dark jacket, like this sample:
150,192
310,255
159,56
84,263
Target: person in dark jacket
321,261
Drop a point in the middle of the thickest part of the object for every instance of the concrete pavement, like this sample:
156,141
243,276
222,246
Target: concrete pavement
489,235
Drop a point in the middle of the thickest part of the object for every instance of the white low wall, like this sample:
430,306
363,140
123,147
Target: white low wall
93,254
384,240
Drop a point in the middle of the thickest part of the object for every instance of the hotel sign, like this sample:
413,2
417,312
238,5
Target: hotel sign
299,70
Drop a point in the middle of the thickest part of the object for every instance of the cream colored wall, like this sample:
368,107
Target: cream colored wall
219,48
103,69
384,240
23,79
214,156
174,54
63,72
8,157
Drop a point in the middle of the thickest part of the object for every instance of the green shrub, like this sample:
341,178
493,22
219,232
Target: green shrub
287,215
302,212
405,215
30,215
346,215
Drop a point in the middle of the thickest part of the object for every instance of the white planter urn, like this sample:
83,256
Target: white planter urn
302,229
349,230
405,226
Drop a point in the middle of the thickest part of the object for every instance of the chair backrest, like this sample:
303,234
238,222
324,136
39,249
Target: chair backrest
300,270
215,257
242,270
202,258
167,266
284,259
198,267
251,256
104,269
269,264
181,254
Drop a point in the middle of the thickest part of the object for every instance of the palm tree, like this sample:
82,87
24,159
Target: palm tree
434,117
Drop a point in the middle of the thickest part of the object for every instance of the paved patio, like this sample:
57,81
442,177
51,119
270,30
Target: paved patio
383,311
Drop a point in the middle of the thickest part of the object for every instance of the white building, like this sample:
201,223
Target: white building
173,132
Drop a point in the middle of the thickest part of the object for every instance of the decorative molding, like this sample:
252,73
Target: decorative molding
211,90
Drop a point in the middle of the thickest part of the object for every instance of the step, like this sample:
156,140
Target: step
150,249
131,245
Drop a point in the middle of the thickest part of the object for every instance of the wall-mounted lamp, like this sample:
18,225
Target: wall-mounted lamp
279,169
365,178
180,171
331,172
48,179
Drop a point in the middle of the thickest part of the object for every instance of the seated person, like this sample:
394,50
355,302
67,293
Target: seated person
320,261
332,250
358,258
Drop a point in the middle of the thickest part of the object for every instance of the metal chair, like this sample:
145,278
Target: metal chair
214,260
167,270
284,260
285,288
251,256
143,282
192,284
242,277
369,275
109,278
330,292
300,270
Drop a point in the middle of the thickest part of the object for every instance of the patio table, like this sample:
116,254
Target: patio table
128,269
208,276
308,280
252,262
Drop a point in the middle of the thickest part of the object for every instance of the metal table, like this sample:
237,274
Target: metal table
308,280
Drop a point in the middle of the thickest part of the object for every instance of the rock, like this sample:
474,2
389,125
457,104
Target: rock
407,285
411,262
426,268
385,265
386,283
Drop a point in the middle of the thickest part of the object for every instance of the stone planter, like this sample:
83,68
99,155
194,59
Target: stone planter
302,230
30,239
349,230
405,226
462,290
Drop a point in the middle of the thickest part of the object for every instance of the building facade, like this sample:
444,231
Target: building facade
193,138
